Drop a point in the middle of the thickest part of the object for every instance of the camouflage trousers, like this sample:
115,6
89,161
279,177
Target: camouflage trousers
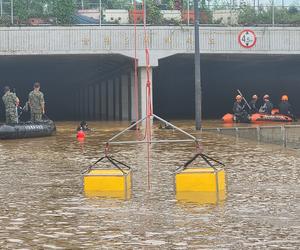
11,116
36,117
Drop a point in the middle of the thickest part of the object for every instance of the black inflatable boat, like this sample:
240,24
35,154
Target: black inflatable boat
27,130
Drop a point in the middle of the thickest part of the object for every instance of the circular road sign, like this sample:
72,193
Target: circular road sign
247,38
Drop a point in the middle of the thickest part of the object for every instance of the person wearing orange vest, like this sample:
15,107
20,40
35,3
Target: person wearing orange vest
285,107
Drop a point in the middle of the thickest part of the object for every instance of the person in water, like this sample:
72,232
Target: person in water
11,102
267,107
285,108
83,126
253,104
165,126
239,111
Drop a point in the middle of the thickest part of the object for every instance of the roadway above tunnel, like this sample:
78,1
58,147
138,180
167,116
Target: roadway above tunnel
163,41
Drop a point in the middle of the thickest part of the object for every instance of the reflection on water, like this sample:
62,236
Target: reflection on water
201,198
43,205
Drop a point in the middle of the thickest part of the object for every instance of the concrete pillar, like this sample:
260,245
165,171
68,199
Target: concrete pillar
86,103
143,91
97,102
104,101
125,105
133,96
81,113
77,102
110,96
117,95
91,102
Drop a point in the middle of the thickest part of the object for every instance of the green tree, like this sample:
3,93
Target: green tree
168,4
247,14
24,9
153,13
64,11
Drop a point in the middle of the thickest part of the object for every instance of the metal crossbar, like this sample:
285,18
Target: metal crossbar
192,138
151,142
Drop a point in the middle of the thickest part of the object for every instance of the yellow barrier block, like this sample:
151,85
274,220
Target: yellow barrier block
200,180
108,182
201,198
109,194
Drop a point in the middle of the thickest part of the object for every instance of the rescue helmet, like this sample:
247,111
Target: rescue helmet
284,98
266,97
254,97
238,97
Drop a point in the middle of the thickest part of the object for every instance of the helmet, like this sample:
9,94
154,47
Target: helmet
254,97
266,97
238,97
284,98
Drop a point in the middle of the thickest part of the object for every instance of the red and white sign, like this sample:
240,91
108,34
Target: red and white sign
247,38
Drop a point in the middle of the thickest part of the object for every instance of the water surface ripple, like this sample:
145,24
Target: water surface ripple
43,207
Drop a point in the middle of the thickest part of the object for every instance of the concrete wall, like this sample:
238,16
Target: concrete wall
116,16
163,41
109,99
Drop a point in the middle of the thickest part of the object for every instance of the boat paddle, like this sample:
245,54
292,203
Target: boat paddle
240,93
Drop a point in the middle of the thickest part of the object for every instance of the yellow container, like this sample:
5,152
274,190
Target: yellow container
200,180
108,183
201,198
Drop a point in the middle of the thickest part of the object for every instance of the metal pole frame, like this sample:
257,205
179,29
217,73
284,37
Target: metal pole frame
145,12
1,7
191,138
273,13
188,14
100,13
198,94
12,11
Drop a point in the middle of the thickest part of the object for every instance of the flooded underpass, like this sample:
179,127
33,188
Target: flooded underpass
43,205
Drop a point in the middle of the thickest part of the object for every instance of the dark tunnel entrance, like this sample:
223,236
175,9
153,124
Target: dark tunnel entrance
173,81
61,78
221,76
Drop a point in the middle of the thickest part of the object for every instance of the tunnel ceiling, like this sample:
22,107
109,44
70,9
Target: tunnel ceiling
73,69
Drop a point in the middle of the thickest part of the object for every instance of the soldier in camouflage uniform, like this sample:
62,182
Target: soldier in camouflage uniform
11,101
36,103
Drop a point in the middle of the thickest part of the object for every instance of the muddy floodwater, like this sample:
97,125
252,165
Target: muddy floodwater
43,206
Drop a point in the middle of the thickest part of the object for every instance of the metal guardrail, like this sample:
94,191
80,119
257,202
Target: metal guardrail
285,135
254,12
166,39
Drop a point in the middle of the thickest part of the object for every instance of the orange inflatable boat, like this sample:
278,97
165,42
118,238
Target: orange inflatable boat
257,117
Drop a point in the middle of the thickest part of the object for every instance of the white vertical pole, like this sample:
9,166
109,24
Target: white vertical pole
1,7
100,13
273,13
198,91
82,5
12,11
188,14
145,14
